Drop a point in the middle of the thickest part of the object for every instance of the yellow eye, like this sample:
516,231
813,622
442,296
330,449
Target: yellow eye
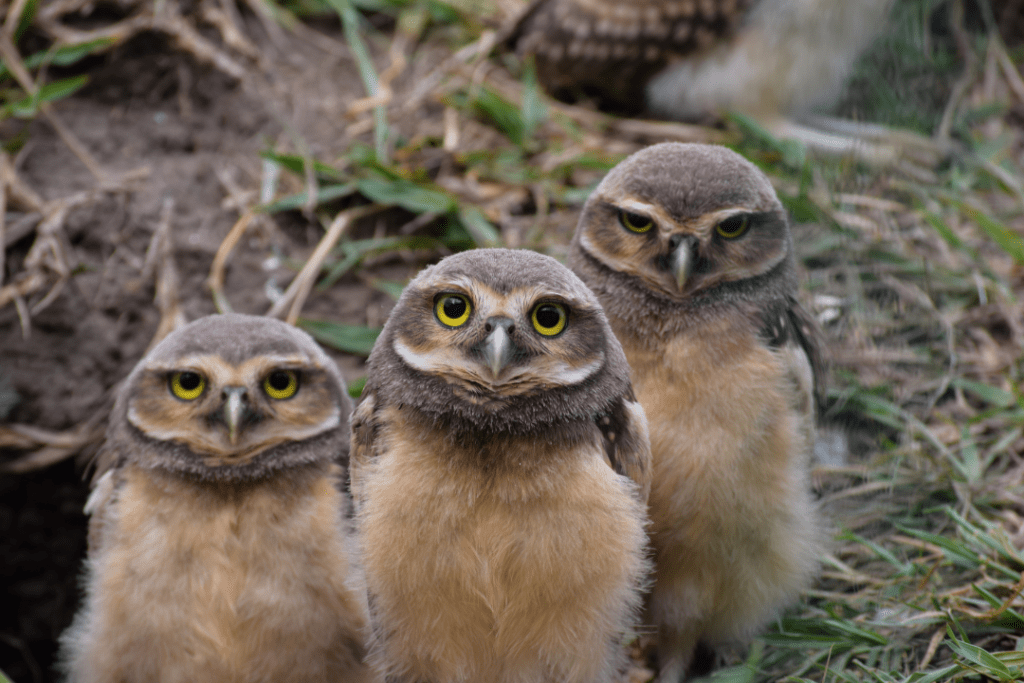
188,386
281,384
635,222
733,227
452,309
549,319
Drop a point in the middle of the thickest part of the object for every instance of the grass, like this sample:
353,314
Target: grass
916,278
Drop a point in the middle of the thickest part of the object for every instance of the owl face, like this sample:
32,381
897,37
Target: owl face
226,391
496,333
685,220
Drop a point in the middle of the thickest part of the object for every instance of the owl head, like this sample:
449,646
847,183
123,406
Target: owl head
231,397
684,227
496,340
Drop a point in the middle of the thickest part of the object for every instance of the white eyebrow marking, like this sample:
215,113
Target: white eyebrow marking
424,362
634,206
569,375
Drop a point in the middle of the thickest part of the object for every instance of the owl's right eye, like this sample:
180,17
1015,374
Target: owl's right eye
635,222
452,309
188,386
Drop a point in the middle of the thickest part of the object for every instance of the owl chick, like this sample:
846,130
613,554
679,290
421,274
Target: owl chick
500,465
219,546
689,250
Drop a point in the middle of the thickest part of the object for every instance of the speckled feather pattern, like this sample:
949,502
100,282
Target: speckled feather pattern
724,374
688,59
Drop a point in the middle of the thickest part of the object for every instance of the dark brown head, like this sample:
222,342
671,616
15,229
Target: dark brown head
231,397
496,340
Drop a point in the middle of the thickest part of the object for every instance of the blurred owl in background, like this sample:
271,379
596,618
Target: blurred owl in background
773,60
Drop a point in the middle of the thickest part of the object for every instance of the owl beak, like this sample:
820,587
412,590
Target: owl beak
235,408
498,347
681,261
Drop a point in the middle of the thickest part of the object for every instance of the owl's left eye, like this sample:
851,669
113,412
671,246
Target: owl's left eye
549,318
281,384
733,227
452,309
188,386
635,222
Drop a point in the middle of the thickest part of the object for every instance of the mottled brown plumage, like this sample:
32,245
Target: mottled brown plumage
609,49
690,253
219,542
693,59
499,467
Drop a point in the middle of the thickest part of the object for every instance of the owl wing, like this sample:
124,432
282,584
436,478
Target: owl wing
787,325
99,508
609,49
626,442
364,442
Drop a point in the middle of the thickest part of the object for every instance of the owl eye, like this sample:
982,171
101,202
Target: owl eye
733,227
635,222
188,386
281,384
549,319
452,309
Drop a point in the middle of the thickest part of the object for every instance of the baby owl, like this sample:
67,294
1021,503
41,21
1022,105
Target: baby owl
500,465
689,251
219,543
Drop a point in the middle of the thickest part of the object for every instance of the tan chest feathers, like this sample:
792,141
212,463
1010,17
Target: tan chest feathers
726,431
498,572
245,587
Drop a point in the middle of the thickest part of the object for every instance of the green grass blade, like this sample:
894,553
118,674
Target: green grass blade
297,165
1007,240
355,387
355,339
987,662
26,108
481,230
954,550
350,21
407,195
389,287
324,194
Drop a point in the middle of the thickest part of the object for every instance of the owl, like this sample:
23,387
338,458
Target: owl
500,465
219,540
689,251
773,60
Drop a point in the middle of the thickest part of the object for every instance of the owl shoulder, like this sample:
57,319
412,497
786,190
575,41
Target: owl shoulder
365,427
623,427
100,508
787,324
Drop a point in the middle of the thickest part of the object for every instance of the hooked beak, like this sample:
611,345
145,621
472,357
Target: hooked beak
234,409
681,262
498,349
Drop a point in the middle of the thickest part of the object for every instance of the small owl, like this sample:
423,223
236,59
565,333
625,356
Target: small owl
219,542
690,252
688,59
500,466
